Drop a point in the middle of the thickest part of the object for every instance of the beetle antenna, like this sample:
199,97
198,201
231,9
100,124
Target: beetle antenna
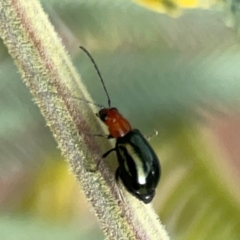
99,74
73,97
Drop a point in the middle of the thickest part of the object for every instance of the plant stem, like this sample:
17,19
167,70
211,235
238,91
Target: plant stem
46,69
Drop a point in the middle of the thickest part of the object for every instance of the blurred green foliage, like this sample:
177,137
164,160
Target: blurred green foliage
162,73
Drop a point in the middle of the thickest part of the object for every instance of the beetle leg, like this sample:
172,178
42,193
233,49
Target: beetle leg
153,135
117,181
117,175
104,156
106,153
99,135
100,160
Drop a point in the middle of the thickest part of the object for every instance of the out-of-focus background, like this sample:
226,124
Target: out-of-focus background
177,72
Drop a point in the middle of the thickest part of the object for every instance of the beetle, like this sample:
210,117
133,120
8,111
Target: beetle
139,167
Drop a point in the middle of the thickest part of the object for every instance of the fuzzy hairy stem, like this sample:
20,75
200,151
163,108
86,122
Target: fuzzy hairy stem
45,68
